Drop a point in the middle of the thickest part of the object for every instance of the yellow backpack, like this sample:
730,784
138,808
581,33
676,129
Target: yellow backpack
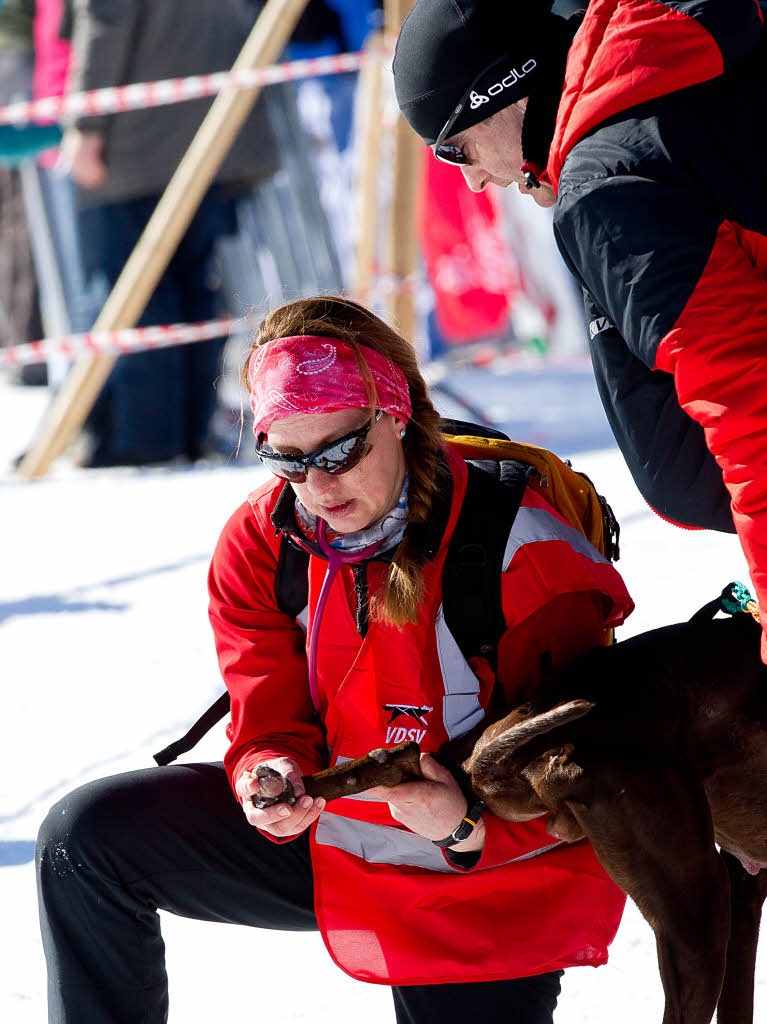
571,493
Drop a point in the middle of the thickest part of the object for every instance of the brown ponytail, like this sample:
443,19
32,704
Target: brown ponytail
337,317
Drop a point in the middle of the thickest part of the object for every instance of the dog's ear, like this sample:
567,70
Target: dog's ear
520,734
512,749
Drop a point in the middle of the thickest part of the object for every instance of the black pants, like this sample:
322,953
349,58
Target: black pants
114,851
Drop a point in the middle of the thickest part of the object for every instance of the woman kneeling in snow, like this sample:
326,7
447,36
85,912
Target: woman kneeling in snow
465,916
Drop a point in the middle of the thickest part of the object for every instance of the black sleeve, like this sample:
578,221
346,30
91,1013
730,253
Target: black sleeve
102,41
614,234
638,246
734,25
664,448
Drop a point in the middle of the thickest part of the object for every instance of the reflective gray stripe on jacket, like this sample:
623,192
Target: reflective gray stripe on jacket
384,844
536,524
461,709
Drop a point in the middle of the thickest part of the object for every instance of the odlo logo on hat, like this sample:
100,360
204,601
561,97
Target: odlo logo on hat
478,98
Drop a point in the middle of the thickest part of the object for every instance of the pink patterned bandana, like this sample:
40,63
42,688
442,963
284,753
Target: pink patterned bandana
313,374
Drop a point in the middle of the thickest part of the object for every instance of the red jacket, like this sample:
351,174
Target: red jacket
391,906
659,160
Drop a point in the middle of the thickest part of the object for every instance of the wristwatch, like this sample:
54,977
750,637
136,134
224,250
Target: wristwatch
464,828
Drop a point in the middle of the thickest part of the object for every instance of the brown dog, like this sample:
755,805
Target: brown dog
664,754
654,750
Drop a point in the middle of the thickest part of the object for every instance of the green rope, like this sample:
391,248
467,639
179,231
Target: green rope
734,598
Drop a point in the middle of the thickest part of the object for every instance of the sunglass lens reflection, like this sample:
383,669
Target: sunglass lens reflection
343,456
450,154
292,471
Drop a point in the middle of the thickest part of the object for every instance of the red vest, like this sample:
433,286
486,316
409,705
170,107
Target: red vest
391,907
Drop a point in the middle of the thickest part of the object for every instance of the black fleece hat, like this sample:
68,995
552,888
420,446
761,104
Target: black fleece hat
443,47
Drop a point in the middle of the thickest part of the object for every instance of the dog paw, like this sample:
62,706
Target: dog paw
273,788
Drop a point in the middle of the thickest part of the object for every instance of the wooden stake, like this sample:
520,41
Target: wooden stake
403,241
402,248
161,237
369,124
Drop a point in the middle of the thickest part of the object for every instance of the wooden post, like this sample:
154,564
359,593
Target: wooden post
402,247
161,237
369,129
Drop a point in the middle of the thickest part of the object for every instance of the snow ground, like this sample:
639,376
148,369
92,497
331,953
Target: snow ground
107,656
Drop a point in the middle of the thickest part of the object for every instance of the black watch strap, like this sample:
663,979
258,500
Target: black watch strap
464,828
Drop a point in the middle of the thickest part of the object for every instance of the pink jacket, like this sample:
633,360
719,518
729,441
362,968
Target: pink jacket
52,58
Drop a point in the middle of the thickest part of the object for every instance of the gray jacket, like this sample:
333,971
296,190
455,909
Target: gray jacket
117,42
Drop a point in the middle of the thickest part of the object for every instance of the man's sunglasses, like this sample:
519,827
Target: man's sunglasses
454,154
337,457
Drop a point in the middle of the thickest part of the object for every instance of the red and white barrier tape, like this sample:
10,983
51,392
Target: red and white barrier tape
141,339
172,90
134,339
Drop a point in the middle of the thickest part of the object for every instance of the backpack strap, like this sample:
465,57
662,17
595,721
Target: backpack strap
459,428
472,586
218,710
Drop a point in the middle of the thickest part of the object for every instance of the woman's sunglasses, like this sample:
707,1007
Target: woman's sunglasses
337,457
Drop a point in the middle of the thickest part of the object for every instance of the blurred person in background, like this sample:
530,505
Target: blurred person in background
66,304
17,54
336,26
20,319
81,302
642,122
157,405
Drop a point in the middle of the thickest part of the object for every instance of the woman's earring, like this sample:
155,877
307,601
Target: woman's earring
402,433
